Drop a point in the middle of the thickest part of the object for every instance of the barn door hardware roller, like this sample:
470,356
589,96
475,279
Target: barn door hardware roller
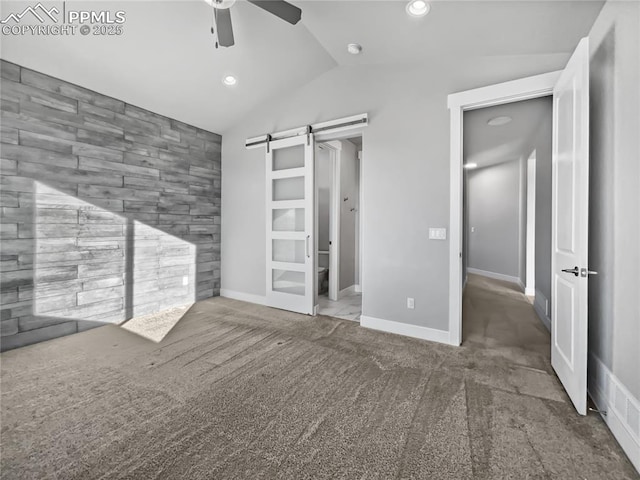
308,133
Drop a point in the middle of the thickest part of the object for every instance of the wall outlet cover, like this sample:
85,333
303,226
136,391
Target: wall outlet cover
437,234
411,303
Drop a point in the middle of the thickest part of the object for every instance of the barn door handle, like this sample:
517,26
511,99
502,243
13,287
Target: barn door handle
575,270
307,245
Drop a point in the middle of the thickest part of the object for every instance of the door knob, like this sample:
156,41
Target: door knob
585,272
575,270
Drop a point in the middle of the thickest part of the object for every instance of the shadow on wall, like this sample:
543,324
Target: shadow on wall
79,266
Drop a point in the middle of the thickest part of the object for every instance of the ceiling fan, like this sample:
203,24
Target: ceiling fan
222,16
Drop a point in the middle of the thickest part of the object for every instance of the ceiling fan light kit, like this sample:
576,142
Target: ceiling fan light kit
222,16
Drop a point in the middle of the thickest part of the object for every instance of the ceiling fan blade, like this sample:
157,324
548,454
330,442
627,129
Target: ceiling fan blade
225,30
280,8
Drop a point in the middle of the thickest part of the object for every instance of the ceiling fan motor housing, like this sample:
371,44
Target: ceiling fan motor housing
221,4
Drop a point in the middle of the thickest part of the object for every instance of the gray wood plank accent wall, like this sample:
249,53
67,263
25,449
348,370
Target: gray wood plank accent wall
109,211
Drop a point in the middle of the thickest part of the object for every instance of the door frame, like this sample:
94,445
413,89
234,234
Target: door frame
334,148
530,259
458,103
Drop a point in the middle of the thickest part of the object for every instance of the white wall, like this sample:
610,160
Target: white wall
494,197
405,176
349,190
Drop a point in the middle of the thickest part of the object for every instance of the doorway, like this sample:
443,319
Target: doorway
570,209
339,292
500,194
500,146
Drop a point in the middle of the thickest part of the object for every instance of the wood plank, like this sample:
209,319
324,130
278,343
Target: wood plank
68,175
9,71
18,92
32,154
61,87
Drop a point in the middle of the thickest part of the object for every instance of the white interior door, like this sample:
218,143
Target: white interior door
290,222
570,214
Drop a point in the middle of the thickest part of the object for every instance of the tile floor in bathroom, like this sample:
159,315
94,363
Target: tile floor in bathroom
347,308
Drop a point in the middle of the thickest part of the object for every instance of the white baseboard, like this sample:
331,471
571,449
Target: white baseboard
541,306
529,291
358,288
497,276
346,292
245,297
406,329
623,409
521,285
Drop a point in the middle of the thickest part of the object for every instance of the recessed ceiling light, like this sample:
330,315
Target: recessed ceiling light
229,80
354,48
418,8
497,121
470,166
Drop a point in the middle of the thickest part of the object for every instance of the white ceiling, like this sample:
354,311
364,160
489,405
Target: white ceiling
166,61
488,145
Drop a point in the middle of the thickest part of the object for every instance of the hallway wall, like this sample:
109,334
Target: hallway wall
494,211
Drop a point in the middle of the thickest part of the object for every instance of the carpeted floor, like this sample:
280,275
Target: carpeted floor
246,392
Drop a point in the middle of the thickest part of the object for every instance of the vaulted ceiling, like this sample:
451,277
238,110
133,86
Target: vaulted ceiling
166,60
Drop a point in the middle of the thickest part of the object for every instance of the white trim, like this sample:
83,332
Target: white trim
357,288
531,225
345,292
507,92
406,329
497,276
529,292
244,297
334,219
542,310
623,409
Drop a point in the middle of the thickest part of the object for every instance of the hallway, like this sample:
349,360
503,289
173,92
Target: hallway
496,314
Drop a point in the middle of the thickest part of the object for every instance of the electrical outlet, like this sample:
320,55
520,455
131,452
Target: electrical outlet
185,280
437,234
411,303
473,229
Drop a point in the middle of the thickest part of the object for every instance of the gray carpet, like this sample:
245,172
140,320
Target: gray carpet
241,391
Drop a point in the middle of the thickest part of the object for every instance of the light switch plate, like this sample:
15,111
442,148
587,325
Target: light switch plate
437,234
